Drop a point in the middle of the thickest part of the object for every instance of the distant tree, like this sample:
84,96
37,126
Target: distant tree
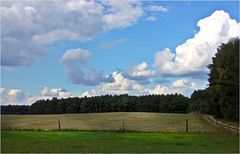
15,109
84,106
199,101
38,107
61,107
50,106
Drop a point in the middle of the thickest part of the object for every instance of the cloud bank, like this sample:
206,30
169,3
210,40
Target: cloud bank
19,97
30,27
122,85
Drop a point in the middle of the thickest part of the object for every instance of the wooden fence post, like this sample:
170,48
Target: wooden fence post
186,125
123,127
59,125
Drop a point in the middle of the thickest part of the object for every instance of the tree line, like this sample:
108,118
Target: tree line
174,103
221,97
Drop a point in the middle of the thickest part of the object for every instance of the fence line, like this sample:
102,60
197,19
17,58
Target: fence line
222,124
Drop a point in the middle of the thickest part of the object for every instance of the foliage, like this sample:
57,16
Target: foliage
221,98
119,103
224,81
15,109
199,101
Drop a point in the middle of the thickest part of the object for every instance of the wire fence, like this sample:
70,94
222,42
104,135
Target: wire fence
119,122
219,123
126,125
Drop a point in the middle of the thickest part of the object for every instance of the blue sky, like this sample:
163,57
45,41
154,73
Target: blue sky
136,48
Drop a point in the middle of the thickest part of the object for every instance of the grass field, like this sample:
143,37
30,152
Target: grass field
135,121
99,132
70,141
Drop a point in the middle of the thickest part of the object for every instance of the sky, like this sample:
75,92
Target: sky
88,48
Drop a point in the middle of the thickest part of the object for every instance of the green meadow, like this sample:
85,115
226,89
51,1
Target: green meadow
103,142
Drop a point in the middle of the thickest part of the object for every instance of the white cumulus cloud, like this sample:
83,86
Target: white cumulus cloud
122,85
180,86
12,96
79,56
193,56
157,8
139,72
19,97
180,83
121,14
55,92
79,71
151,18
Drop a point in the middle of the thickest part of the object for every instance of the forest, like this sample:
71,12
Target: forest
220,98
118,103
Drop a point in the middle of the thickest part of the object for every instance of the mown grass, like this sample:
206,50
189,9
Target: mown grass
134,121
103,142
